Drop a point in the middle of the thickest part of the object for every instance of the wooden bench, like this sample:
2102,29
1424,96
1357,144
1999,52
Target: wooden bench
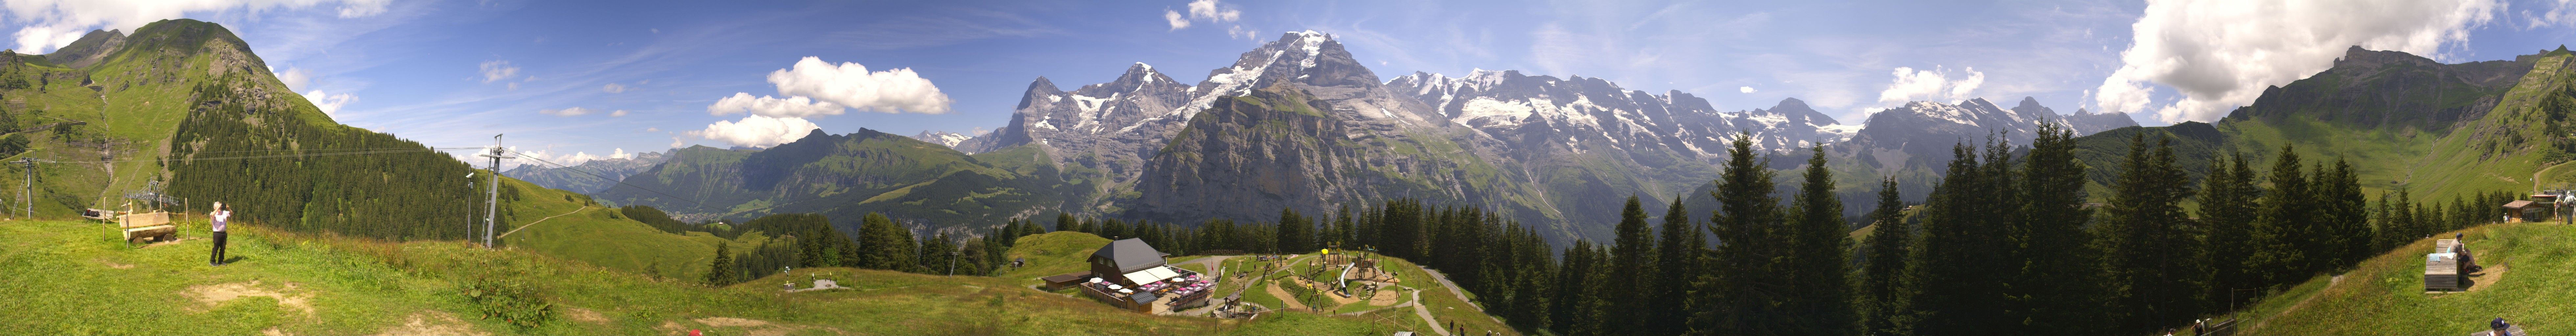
144,227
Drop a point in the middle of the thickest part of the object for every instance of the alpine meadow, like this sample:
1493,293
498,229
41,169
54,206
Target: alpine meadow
1451,168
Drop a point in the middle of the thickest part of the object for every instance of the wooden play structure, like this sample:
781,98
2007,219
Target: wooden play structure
2447,269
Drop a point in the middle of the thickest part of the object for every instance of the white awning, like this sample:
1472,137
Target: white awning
1164,272
1142,277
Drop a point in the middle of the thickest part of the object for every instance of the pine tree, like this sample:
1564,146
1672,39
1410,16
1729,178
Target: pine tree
2228,200
1881,297
720,271
2053,296
1675,258
2281,252
1736,296
1820,295
1954,267
1629,255
886,246
2146,241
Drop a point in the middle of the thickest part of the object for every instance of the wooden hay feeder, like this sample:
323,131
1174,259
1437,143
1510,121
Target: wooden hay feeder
144,227
2447,269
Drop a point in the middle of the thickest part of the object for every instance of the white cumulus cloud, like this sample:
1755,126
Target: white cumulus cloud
620,154
295,78
755,131
790,107
852,85
51,24
2219,54
1930,85
1747,89
613,88
1172,17
617,113
1206,11
1211,11
329,103
567,112
495,70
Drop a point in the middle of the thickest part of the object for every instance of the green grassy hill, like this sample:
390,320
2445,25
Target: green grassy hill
566,225
76,278
844,177
2385,295
2479,146
1064,251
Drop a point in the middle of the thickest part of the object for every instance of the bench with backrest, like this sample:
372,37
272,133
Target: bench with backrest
147,227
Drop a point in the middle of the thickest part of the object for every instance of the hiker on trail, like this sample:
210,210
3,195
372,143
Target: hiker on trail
221,215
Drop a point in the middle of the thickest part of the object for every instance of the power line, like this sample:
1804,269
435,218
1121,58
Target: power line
607,178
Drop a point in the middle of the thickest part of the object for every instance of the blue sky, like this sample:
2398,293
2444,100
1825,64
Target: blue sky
597,77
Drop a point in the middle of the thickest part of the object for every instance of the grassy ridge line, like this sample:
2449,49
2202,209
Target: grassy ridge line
2384,296
603,237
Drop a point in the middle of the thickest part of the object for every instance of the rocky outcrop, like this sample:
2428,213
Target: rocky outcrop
89,49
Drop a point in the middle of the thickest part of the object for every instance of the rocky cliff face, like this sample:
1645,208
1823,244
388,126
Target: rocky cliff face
89,49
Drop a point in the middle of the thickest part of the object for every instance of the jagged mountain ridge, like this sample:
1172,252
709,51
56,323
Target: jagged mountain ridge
608,171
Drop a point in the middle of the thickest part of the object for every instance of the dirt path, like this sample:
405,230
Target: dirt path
524,227
1284,297
1418,309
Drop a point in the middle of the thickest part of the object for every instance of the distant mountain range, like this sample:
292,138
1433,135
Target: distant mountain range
590,176
1300,124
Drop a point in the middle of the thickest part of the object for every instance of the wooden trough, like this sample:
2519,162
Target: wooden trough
2447,269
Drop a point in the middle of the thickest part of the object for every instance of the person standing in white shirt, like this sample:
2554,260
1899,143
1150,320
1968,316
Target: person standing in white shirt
221,215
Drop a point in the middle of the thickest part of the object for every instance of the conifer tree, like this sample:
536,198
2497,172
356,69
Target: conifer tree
1820,285
1737,295
1880,294
2146,241
886,246
1629,255
2053,295
719,272
1676,259
2228,200
2281,249
1953,259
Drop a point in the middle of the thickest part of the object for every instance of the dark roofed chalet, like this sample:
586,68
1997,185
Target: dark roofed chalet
1124,256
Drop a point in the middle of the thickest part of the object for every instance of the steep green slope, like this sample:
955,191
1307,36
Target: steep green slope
184,105
2499,142
2385,295
845,177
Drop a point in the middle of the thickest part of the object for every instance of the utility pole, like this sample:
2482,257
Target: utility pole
952,263
29,194
469,203
492,203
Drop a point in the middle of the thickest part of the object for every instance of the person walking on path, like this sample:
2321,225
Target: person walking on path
221,215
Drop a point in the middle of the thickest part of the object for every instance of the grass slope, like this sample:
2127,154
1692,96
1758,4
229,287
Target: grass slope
1063,252
75,278
2385,295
